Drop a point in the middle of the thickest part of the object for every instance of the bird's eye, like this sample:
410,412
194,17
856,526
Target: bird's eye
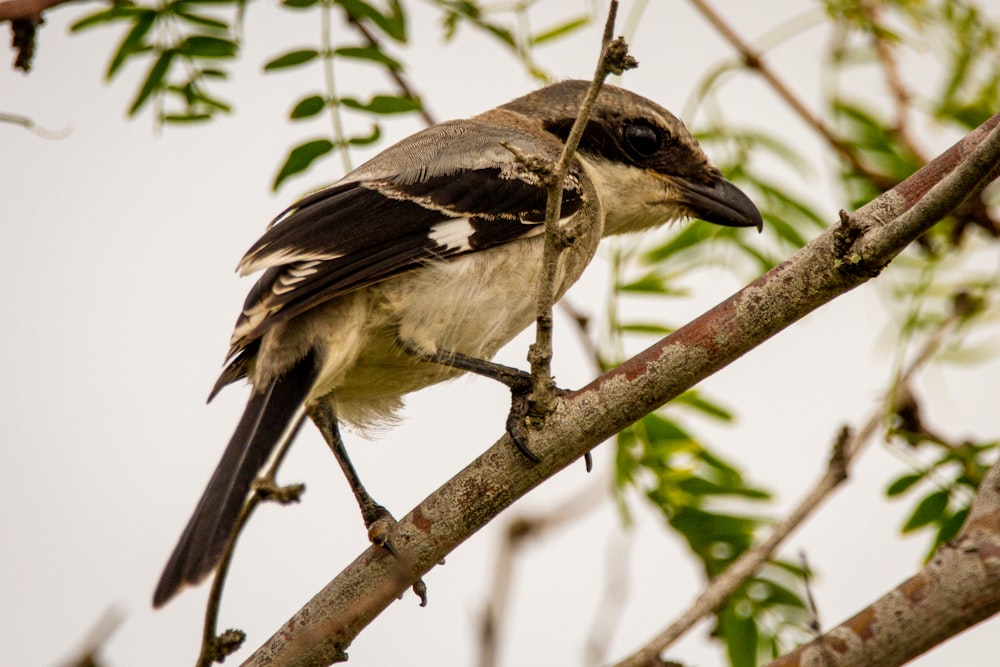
642,140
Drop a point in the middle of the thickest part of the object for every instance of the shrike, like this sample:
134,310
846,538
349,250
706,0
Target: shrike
432,249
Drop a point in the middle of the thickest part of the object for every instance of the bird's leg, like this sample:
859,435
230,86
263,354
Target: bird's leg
377,518
518,381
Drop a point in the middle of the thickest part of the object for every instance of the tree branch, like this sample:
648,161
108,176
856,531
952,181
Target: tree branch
837,261
958,588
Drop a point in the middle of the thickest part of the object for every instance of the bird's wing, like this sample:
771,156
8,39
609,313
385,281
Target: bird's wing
450,190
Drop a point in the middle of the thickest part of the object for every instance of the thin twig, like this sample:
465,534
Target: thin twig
614,58
339,138
214,647
397,75
520,530
33,127
901,96
846,448
754,60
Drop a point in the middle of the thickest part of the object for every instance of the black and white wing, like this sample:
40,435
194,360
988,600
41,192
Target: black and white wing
450,190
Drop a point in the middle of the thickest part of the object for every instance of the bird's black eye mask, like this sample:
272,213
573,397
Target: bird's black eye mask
635,141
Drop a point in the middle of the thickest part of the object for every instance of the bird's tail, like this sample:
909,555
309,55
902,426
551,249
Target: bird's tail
268,416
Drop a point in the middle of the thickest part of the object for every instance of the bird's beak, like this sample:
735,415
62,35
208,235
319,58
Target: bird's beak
722,203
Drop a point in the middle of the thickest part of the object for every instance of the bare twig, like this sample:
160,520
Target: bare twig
754,60
31,126
87,654
519,532
614,59
215,646
397,75
901,96
611,606
837,261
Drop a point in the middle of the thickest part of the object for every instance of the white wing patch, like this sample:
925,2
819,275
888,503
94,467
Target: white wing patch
453,234
293,275
265,260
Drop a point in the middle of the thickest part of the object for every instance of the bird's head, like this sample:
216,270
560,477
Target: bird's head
646,165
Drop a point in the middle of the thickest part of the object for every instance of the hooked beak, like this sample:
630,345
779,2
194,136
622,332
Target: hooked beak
721,203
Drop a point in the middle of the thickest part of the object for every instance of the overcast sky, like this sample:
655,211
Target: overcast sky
119,293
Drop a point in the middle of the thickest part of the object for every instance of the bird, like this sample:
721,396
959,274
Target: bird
426,259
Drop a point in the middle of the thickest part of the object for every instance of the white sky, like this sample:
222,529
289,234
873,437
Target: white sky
116,275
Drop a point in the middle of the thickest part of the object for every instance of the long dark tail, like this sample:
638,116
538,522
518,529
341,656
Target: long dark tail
265,420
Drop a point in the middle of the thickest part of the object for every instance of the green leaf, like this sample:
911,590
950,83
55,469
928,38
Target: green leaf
308,107
740,634
205,99
699,486
951,526
185,118
291,59
647,328
115,13
299,4
927,511
371,138
694,400
560,30
689,236
199,19
369,54
651,282
780,595
300,158
902,484
204,46
656,427
153,82
132,43
384,104
392,24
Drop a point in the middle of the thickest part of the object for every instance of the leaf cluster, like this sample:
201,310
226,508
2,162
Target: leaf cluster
185,44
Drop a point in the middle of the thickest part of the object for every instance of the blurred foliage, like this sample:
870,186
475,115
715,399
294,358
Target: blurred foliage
877,135
930,287
187,47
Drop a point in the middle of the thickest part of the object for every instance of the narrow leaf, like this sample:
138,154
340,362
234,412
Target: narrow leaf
371,138
199,19
392,24
185,118
204,46
132,43
300,158
384,104
902,484
560,30
115,13
370,54
927,511
153,82
291,59
307,107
